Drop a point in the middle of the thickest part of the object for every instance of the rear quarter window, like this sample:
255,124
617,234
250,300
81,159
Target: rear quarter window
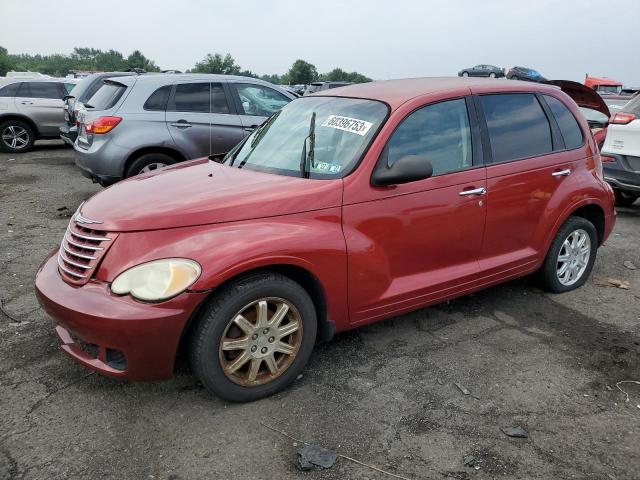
569,128
157,101
107,96
518,127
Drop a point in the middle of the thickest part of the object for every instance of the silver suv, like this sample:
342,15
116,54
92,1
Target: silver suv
137,124
31,109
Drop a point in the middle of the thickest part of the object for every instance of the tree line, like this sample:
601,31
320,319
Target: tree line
93,59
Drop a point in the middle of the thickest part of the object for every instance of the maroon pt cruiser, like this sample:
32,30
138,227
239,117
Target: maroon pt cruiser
343,209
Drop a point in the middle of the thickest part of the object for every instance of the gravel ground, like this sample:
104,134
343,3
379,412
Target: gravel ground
383,394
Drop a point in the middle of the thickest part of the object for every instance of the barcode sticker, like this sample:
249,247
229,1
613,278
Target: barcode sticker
352,125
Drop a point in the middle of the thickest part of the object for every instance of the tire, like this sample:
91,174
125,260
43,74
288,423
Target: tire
573,228
514,77
492,75
149,162
16,133
215,321
625,199
465,74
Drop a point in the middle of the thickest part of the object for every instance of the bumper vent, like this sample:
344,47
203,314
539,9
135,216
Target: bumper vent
80,252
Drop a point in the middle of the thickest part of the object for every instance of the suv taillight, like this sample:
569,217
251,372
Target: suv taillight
623,118
103,125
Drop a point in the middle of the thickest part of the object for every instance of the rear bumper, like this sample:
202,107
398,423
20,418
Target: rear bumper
68,133
102,161
115,336
620,174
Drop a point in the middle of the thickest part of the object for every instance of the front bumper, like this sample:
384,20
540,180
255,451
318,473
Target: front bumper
113,335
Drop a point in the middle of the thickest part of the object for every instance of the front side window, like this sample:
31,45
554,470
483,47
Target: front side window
68,87
518,127
342,131
40,90
440,133
260,100
569,128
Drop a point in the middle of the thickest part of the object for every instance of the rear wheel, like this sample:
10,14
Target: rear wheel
492,75
148,163
571,256
16,136
515,77
253,337
625,199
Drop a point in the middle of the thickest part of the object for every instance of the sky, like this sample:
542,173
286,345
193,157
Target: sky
563,39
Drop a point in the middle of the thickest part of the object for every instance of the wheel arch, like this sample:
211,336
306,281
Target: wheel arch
303,276
173,153
590,209
22,118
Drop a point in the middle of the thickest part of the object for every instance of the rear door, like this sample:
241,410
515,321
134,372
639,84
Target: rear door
256,103
42,102
201,119
529,165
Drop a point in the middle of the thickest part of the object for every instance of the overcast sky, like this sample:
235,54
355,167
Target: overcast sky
563,39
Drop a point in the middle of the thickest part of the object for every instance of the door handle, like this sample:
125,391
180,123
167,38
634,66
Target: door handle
562,173
27,103
181,124
475,191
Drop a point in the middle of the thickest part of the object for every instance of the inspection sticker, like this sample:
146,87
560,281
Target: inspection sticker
328,167
353,125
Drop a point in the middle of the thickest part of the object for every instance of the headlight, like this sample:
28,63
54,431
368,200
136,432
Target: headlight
157,280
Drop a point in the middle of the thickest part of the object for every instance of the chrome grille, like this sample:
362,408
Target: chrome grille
80,252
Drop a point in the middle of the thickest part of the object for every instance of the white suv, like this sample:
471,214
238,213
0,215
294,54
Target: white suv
621,153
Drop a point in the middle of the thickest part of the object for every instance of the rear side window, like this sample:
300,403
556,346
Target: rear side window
107,96
518,127
440,133
192,97
158,99
50,90
633,106
10,90
569,128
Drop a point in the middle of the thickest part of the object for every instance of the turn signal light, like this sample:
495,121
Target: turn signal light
103,125
623,118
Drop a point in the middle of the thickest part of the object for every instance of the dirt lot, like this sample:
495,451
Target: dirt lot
384,394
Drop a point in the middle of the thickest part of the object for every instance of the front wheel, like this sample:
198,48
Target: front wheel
253,337
492,75
625,199
16,136
465,74
571,256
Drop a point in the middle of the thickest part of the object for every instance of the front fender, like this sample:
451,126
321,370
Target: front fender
312,240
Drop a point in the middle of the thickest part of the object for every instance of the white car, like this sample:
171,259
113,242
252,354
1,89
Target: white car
621,153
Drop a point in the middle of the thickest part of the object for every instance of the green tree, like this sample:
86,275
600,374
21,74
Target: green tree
5,61
138,60
275,79
339,75
301,72
110,61
216,63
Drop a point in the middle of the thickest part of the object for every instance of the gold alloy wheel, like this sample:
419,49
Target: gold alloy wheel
260,342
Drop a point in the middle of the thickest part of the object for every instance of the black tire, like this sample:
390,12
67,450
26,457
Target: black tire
465,74
146,160
492,75
217,313
10,126
625,199
548,273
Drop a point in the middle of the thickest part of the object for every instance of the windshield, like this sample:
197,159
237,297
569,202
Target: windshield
614,89
342,130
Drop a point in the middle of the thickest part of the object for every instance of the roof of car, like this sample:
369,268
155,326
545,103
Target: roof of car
397,92
161,77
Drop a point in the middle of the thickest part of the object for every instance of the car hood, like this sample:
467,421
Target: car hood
203,192
584,96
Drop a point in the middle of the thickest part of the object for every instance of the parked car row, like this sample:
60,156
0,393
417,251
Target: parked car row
491,71
334,213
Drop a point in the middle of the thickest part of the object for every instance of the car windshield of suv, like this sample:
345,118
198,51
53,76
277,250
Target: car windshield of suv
332,133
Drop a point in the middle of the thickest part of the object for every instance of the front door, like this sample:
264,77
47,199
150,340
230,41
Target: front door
415,243
256,103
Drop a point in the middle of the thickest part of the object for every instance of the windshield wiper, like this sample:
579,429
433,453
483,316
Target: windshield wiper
259,133
306,160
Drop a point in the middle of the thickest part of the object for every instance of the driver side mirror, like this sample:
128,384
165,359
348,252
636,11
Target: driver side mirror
410,168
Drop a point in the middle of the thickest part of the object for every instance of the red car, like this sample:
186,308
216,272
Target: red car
343,209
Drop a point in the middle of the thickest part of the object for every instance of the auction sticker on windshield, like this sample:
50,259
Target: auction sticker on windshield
353,125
